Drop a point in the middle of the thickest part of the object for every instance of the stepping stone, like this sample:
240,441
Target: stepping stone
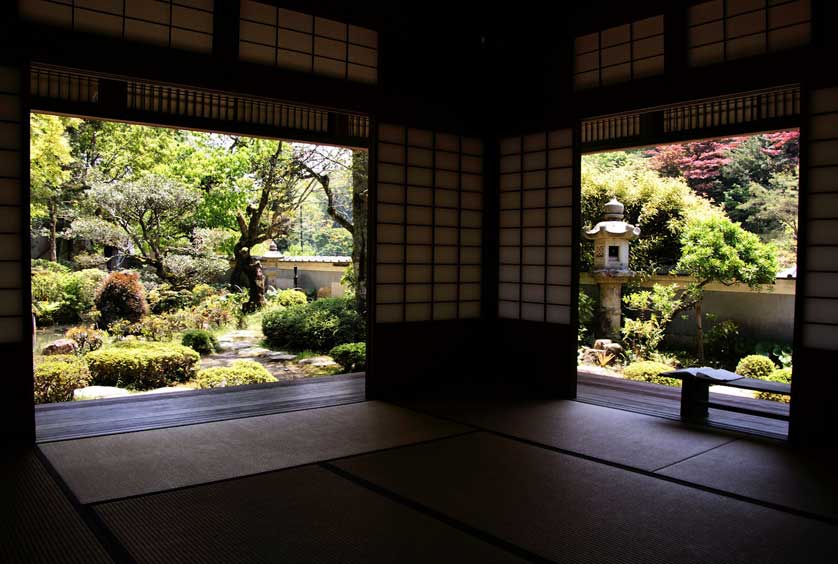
99,392
279,357
318,361
233,345
253,352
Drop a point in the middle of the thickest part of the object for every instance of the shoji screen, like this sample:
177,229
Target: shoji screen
183,24
820,315
429,208
11,122
536,217
294,40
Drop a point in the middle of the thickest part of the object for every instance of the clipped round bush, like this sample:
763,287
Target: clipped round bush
317,326
287,298
756,366
649,371
199,340
782,375
238,373
121,296
351,356
142,365
57,376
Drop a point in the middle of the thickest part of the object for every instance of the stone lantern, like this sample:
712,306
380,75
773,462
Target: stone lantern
611,238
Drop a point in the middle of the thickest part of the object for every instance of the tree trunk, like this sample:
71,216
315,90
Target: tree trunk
53,228
699,332
360,166
247,273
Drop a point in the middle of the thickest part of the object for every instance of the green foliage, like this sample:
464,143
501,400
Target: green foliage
755,366
57,376
165,298
351,356
649,371
724,344
238,373
654,310
121,296
61,296
782,375
49,266
287,298
142,365
319,325
587,316
199,340
87,338
780,353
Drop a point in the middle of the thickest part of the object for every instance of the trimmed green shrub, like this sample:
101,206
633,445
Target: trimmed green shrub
287,298
351,356
87,338
782,375
319,325
238,373
142,365
57,376
724,344
61,296
121,296
649,371
199,340
165,298
756,366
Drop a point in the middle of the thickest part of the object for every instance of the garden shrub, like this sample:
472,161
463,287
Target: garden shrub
200,340
287,298
57,376
121,296
724,344
238,373
319,325
61,296
164,298
351,356
649,371
150,328
587,316
756,366
782,375
142,365
88,338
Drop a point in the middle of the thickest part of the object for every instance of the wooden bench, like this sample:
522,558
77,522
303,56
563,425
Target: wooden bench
695,391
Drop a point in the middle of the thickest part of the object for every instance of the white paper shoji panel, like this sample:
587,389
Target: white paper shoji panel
182,24
536,223
289,39
723,30
429,226
11,122
820,311
619,54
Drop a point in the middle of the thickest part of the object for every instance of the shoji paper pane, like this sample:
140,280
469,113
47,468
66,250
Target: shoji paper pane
182,24
619,54
820,312
294,40
430,209
11,167
536,203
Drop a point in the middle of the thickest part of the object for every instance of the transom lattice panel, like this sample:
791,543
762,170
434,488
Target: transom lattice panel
182,24
723,30
820,314
294,40
429,225
11,156
536,222
619,54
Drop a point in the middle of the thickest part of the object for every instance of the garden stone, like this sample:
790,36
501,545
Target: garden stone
602,343
61,346
279,357
253,352
233,345
318,361
99,392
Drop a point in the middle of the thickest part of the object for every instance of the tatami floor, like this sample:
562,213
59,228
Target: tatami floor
547,481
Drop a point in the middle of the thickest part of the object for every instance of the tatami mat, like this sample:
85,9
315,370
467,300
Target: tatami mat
801,479
115,466
301,515
38,523
570,509
632,439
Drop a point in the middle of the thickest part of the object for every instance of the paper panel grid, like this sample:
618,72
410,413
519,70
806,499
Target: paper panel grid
11,166
619,54
536,223
429,225
275,36
820,310
724,30
181,24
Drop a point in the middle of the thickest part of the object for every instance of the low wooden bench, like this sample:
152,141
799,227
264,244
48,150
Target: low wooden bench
695,391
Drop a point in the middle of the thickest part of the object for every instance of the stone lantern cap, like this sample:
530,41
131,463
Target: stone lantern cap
613,226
